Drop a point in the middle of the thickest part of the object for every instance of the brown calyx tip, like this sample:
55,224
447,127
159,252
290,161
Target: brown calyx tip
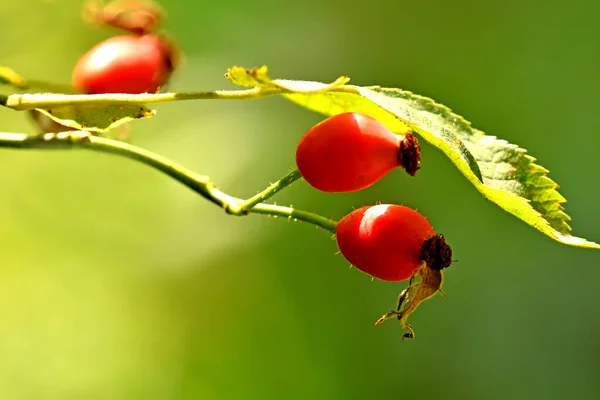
135,16
436,253
409,154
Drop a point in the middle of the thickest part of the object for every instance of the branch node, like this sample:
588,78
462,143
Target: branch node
233,208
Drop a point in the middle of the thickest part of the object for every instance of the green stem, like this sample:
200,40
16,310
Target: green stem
295,214
22,102
269,192
26,101
201,184
10,77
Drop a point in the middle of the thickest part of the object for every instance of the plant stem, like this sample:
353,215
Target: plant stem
22,102
295,214
27,101
269,192
10,77
201,184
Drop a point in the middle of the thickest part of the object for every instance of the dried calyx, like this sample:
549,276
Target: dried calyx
409,154
136,16
436,253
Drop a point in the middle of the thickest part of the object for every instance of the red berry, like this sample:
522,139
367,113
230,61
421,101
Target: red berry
125,64
351,151
390,242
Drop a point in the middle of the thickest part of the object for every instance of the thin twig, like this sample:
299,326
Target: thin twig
201,184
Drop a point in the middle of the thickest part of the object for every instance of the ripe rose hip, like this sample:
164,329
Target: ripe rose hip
125,64
351,151
390,242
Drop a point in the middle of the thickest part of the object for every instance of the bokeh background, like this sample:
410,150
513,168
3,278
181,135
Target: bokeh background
118,283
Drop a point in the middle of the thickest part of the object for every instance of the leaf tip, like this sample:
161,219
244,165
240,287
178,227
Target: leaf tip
247,77
575,241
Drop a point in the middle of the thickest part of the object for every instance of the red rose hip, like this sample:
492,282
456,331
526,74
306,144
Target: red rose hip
390,242
351,151
125,64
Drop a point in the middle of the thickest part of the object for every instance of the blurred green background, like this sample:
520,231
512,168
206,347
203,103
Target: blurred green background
118,283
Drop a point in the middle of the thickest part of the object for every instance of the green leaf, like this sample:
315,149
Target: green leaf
504,173
96,118
257,77
335,98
